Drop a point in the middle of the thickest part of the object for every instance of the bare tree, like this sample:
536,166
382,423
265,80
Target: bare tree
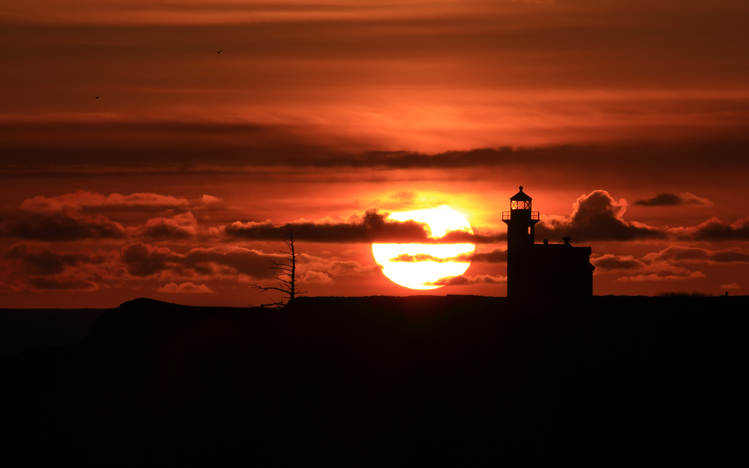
285,275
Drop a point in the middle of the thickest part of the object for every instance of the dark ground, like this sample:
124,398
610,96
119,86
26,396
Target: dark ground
381,381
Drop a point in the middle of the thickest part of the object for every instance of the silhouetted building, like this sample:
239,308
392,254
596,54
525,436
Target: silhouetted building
542,271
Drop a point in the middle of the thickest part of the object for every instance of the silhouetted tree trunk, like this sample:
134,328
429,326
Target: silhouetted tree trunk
286,275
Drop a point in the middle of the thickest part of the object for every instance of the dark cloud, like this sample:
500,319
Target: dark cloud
728,256
184,146
97,202
597,216
163,230
715,229
164,145
373,226
495,256
183,226
60,226
36,268
674,199
347,269
651,268
45,283
421,258
474,238
616,262
246,261
318,277
675,263
665,273
146,260
405,198
696,254
42,261
466,280
662,199
185,288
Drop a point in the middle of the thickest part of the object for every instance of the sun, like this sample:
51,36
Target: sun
422,266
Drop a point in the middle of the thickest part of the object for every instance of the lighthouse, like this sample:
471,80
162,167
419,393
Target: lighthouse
521,234
542,271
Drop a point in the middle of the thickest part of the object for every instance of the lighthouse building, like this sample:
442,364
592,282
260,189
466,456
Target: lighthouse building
544,270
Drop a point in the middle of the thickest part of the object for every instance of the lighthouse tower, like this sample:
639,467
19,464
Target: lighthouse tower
521,233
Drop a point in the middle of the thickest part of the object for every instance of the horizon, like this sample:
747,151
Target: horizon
164,150
678,295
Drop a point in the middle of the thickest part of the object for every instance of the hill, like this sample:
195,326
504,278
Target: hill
446,381
24,329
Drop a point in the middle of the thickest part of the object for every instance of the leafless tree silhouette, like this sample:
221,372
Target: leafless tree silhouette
285,275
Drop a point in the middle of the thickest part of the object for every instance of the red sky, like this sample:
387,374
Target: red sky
319,111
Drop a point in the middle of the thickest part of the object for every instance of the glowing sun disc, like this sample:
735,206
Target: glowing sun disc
423,266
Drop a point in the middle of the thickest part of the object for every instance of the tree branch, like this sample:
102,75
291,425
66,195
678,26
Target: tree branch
271,288
286,273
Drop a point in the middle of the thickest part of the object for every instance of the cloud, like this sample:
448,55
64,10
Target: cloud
205,146
673,199
245,261
696,254
145,260
70,280
474,238
373,226
399,200
665,274
730,287
185,288
597,216
166,145
649,268
664,265
45,283
76,216
349,269
130,207
209,202
42,261
319,277
181,226
670,264
466,280
421,258
336,268
37,267
97,202
616,262
714,229
659,271
495,256
60,226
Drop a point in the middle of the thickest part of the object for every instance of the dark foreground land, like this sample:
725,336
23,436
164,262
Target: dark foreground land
386,382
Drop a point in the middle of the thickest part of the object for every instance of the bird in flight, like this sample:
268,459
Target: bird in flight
98,97
220,51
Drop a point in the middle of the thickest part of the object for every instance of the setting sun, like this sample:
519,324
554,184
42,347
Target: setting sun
423,265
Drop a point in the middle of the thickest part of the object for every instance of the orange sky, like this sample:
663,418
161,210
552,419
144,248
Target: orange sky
323,110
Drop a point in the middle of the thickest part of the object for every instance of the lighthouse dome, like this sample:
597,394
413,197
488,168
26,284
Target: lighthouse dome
520,196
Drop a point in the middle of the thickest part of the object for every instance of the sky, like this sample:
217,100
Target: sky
161,148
